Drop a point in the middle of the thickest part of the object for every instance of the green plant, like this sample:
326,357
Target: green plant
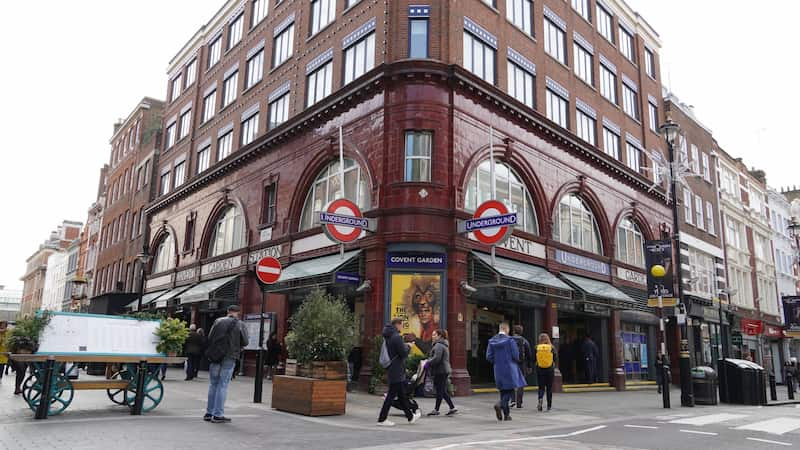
172,333
378,372
322,329
26,333
146,315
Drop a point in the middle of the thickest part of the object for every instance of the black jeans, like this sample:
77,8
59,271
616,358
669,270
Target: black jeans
20,369
545,379
440,384
590,370
2,370
192,365
505,396
396,390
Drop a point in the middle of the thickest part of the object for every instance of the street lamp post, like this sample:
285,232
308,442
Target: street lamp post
143,259
670,130
658,272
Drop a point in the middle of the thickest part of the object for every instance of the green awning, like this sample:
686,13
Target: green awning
316,271
146,298
161,302
203,291
523,271
597,288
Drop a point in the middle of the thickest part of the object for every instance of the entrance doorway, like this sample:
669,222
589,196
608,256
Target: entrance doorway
634,345
579,360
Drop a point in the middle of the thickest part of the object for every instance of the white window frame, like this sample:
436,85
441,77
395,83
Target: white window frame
650,63
630,102
319,84
557,108
255,69
605,23
327,187
278,111
283,46
214,51
209,106
230,89
688,203
520,13
555,41
235,29
700,221
583,8
706,167
611,144
229,232
359,58
418,153
191,72
186,124
224,145
164,188
608,84
479,58
204,159
580,221
630,243
164,255
249,129
260,11
586,127
323,12
627,45
176,87
695,159
179,173
510,189
171,134
710,219
584,64
652,113
634,157
521,84
414,51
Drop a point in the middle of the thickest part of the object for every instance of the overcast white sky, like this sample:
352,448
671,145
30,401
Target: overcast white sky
70,73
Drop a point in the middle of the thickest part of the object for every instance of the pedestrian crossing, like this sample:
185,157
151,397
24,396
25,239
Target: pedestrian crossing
777,425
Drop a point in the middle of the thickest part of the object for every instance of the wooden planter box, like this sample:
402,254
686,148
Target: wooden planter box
309,396
326,370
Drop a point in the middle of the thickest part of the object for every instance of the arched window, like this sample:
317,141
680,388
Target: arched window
630,243
510,190
327,187
164,255
575,225
229,233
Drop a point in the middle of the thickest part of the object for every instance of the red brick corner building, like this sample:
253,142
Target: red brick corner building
255,102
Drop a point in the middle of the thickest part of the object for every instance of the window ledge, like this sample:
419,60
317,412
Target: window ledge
557,61
491,7
281,64
232,48
585,83
531,35
252,87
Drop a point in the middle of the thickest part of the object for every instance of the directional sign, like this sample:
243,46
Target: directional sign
342,221
491,224
268,270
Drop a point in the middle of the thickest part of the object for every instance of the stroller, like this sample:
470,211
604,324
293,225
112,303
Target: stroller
412,384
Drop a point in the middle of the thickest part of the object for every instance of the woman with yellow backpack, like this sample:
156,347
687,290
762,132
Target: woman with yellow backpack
545,369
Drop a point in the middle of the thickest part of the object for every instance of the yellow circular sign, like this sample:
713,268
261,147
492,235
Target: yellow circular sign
658,271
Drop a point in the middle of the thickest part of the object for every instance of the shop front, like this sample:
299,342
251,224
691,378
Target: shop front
774,343
706,332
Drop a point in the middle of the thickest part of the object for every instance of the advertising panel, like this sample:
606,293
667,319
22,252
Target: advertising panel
417,299
659,252
791,311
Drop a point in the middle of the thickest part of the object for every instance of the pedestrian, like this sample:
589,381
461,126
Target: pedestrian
20,370
396,352
590,356
274,350
525,362
503,353
545,369
3,357
439,368
193,349
225,341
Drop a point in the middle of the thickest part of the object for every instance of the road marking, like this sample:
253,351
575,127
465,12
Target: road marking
778,426
641,426
707,433
770,442
708,419
534,438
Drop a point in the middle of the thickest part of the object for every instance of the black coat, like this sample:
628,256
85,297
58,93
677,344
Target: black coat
195,344
398,351
273,352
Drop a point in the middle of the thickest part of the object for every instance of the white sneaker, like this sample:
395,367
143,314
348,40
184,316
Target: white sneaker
385,423
416,416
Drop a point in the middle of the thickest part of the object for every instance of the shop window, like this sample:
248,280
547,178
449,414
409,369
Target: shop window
575,225
630,243
509,188
327,187
164,255
229,232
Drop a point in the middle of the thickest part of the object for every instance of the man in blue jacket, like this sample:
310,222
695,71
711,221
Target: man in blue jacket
504,354
396,373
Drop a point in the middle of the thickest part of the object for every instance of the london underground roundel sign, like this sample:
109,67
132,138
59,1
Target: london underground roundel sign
268,270
492,223
342,221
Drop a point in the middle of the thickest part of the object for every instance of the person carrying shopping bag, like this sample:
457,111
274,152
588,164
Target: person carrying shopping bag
439,367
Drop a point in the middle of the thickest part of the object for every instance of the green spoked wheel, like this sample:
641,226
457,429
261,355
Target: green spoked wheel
118,395
61,391
153,392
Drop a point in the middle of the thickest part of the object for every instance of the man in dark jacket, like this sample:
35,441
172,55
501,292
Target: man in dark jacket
396,373
229,332
591,354
193,349
525,361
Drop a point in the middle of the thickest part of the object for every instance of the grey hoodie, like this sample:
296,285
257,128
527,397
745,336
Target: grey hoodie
439,363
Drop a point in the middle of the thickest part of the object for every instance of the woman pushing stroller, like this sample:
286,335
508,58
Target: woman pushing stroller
438,365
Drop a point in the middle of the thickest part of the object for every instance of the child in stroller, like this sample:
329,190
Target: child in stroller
413,383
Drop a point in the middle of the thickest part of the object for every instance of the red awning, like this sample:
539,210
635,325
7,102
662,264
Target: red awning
752,327
773,331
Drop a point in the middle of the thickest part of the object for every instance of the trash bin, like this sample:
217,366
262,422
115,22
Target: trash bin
742,382
704,385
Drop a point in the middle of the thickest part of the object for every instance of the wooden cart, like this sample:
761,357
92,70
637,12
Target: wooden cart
136,385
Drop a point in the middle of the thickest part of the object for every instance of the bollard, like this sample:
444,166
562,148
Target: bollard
665,382
790,384
773,389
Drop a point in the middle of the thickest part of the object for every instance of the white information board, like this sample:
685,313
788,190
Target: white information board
93,334
253,327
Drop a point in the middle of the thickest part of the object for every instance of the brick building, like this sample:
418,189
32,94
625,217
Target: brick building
36,265
250,152
127,180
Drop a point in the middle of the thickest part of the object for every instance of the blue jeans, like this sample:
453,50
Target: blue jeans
505,396
219,376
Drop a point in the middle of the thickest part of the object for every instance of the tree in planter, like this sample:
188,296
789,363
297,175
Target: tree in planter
172,334
24,337
322,329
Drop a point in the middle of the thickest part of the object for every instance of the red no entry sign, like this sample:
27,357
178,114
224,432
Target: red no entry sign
342,221
492,223
268,270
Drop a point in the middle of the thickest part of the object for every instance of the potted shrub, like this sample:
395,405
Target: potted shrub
24,337
172,334
321,336
377,381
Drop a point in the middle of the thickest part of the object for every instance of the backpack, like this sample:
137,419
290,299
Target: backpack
544,356
218,348
385,360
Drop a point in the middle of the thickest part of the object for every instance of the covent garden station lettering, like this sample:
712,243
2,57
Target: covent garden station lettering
572,266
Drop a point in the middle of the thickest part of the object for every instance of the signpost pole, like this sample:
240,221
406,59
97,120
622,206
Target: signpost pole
259,388
664,367
491,163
